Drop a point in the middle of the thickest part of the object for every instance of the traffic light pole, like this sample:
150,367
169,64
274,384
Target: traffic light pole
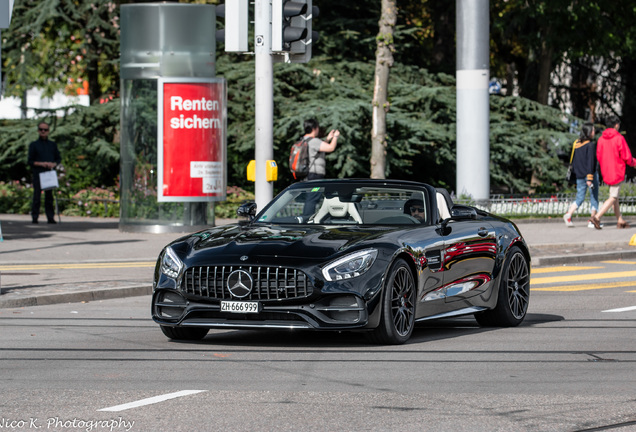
264,101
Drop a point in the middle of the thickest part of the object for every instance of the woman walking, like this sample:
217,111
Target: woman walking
584,167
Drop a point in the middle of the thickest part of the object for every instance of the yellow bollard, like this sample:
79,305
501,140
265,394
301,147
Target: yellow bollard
632,242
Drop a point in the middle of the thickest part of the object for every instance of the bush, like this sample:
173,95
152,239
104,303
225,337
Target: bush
235,197
96,202
15,197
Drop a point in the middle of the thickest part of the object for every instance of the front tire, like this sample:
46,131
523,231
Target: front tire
398,307
184,333
514,293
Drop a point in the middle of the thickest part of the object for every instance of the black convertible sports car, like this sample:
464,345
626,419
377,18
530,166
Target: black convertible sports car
372,255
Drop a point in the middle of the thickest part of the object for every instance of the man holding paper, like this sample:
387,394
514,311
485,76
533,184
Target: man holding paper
43,156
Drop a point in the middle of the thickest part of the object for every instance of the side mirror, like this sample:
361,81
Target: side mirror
462,212
247,210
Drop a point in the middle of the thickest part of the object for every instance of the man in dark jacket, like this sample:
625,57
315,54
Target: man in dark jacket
43,156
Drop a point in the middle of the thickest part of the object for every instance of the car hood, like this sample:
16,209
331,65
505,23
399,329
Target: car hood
259,242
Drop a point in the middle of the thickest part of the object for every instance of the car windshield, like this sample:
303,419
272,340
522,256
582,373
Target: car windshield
348,203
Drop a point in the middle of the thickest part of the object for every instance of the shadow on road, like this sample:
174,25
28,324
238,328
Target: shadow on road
303,339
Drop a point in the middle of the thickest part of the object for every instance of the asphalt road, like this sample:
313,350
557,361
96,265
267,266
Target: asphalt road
568,367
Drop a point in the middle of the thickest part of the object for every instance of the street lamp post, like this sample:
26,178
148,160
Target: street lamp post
473,106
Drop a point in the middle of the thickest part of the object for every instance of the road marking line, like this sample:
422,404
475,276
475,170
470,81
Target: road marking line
620,262
583,277
560,269
586,287
78,266
151,400
625,309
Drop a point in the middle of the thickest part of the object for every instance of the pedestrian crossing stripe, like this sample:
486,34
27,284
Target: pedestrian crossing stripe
587,287
583,277
560,269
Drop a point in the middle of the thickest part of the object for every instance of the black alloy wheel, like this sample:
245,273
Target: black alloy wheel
398,306
514,293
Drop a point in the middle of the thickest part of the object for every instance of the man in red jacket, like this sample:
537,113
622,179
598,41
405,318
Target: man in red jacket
613,155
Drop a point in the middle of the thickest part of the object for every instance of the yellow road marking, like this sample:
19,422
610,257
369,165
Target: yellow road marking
586,287
77,266
560,269
620,262
584,277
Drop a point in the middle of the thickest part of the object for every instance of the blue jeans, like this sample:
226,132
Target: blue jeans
581,191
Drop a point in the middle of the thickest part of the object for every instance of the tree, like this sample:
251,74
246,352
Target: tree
57,44
380,104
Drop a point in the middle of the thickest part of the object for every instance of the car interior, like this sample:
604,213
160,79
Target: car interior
362,206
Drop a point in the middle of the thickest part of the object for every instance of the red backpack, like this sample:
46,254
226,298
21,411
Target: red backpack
299,158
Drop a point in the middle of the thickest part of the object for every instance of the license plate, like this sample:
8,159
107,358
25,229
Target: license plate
239,307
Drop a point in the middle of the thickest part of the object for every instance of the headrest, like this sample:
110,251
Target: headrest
336,208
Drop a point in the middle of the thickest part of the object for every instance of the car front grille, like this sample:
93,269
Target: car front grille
269,283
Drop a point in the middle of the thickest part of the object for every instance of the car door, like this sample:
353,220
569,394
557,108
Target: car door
468,258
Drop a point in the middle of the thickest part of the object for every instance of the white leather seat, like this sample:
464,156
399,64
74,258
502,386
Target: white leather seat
334,210
442,206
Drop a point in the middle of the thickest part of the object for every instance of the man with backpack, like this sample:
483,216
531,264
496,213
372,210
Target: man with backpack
315,166
317,148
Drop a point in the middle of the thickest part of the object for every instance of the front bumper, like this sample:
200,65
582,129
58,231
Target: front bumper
343,311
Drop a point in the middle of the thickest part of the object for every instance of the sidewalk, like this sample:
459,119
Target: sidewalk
88,259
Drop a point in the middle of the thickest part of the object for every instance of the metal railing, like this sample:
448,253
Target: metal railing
551,205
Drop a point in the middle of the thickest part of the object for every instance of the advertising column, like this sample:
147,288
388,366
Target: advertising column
191,146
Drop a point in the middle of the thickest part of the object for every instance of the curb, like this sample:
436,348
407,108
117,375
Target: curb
582,258
75,297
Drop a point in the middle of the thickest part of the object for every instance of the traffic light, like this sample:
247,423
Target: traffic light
234,35
291,28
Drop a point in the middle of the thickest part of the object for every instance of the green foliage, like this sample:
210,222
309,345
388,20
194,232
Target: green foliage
527,139
88,142
347,30
15,137
94,202
235,197
15,197
57,44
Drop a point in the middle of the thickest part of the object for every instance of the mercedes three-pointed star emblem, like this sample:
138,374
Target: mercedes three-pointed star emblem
240,283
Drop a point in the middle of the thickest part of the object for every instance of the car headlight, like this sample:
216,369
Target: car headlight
350,266
171,265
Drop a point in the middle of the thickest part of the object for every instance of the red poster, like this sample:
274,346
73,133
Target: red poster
192,140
